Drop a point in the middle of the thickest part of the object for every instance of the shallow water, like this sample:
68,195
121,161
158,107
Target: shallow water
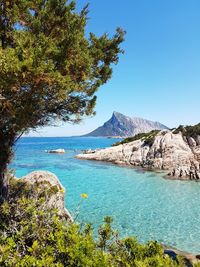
142,204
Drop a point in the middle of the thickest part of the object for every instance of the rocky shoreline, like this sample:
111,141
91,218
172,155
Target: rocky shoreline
169,151
189,258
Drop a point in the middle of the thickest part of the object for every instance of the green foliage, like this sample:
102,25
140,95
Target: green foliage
178,129
148,138
46,58
188,131
33,235
49,69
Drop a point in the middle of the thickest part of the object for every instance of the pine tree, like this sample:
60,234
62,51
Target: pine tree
49,68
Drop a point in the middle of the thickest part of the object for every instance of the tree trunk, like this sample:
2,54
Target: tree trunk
3,187
5,157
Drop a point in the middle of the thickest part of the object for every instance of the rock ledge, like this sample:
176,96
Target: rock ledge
171,152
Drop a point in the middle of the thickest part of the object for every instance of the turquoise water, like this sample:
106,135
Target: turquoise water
142,204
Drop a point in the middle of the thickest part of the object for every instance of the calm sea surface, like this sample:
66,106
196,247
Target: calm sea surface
142,204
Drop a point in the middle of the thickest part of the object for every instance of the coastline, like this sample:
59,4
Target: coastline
189,258
163,173
123,164
164,151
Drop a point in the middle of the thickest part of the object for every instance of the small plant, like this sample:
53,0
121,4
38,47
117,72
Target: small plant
77,210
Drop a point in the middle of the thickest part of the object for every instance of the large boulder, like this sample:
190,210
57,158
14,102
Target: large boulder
191,142
198,140
49,183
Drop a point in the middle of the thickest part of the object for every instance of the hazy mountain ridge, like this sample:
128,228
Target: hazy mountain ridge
124,126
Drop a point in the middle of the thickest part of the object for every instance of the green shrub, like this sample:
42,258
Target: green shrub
148,138
181,129
33,235
188,131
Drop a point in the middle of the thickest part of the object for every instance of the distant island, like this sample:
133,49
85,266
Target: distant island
120,125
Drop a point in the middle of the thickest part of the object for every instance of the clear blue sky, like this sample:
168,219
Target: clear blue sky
158,77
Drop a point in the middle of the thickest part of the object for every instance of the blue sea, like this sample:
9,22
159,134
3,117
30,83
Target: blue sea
142,204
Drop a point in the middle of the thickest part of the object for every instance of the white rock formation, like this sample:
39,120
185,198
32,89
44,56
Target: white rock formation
169,151
56,151
47,181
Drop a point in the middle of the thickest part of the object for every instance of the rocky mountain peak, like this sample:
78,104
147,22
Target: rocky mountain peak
124,126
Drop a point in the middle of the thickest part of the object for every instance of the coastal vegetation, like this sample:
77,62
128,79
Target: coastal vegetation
31,234
188,131
148,138
49,68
